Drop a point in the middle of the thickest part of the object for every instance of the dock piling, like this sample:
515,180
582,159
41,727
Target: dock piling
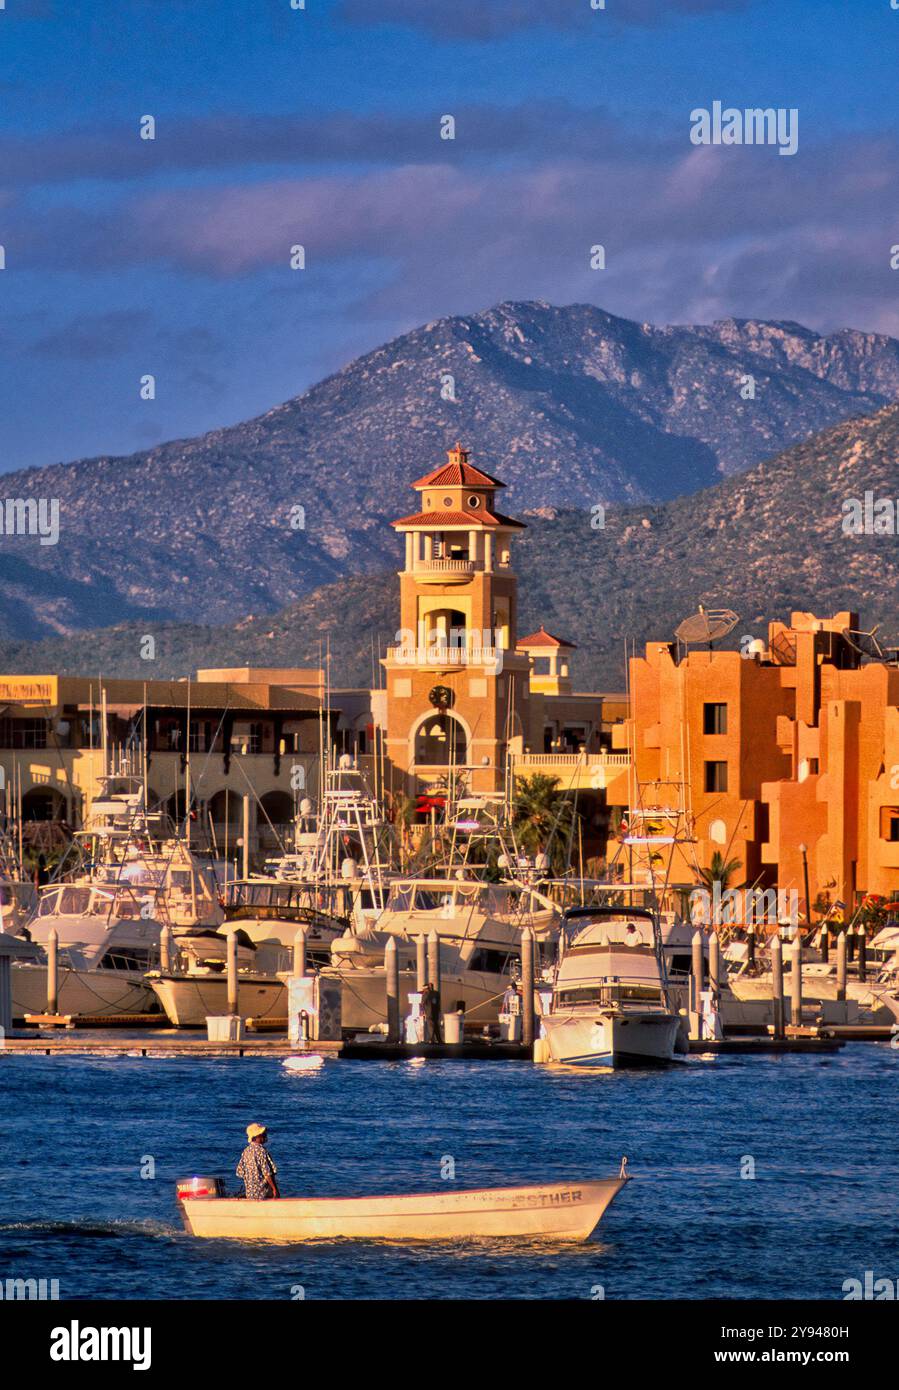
862,955
527,987
777,985
232,974
52,971
715,966
421,963
434,966
841,966
796,980
165,947
392,971
750,946
299,952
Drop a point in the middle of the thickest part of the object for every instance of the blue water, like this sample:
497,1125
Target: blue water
821,1132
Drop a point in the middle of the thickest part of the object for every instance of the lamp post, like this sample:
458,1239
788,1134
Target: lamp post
803,850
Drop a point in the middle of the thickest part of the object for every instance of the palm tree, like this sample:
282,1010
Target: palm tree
719,871
543,817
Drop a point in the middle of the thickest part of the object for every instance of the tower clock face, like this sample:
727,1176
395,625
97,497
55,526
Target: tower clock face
440,696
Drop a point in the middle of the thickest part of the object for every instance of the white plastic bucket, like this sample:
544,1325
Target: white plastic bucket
452,1028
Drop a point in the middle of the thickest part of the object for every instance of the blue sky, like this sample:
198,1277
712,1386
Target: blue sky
322,126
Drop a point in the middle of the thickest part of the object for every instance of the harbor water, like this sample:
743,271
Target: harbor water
753,1177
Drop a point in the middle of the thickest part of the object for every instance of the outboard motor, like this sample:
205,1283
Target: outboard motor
200,1187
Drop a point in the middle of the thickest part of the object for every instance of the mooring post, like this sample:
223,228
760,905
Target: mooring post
841,965
52,970
777,984
715,966
165,947
825,944
299,952
796,980
862,955
434,966
421,963
232,973
750,946
527,987
850,942
392,971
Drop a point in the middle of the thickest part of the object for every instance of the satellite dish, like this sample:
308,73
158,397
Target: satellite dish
705,626
868,646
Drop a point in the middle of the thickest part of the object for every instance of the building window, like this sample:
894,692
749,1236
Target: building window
716,777
23,733
889,824
714,719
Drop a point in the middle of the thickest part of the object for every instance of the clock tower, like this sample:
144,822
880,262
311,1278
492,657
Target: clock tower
457,692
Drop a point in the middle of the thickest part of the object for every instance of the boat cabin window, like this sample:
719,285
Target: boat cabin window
492,962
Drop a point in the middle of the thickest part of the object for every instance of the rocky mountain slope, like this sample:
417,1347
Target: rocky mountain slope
763,543
570,406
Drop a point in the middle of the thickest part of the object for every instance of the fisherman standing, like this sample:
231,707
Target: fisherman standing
256,1166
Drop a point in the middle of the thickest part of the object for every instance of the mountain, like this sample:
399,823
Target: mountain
763,543
569,406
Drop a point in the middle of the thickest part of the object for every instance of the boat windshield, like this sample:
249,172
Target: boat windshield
608,994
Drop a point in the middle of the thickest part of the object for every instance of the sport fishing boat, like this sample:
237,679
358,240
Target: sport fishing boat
107,943
610,1004
551,1211
478,927
195,986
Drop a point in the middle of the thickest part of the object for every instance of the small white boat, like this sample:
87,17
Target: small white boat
610,1004
551,1211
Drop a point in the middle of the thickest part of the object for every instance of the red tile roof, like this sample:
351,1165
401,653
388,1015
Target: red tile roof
542,638
457,472
470,519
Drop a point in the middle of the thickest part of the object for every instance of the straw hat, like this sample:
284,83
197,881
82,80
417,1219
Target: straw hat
253,1131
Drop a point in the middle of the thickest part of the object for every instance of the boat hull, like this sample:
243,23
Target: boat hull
611,1039
553,1211
83,993
189,999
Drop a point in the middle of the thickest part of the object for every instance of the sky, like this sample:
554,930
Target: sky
321,126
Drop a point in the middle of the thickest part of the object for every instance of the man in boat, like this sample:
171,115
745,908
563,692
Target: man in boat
256,1166
430,1012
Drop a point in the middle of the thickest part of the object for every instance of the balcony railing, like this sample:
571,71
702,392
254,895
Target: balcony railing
438,655
591,760
442,566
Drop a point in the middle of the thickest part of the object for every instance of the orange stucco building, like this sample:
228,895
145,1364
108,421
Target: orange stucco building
789,742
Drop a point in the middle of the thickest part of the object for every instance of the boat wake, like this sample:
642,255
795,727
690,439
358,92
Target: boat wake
90,1229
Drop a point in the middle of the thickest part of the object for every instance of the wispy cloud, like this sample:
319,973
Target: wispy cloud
494,19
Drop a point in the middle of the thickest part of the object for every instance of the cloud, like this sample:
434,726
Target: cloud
482,20
689,235
116,153
94,335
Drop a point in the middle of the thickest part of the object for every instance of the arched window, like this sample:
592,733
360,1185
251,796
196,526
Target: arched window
439,741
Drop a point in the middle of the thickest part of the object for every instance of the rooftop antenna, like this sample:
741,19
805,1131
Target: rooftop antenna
867,645
706,626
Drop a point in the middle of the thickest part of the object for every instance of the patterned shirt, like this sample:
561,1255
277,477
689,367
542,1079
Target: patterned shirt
255,1166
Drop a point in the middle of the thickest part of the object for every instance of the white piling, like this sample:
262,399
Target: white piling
434,965
841,965
299,952
392,972
777,984
52,970
796,980
421,963
165,947
233,997
527,987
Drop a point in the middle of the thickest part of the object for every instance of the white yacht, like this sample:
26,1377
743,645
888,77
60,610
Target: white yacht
610,1004
107,943
195,986
478,927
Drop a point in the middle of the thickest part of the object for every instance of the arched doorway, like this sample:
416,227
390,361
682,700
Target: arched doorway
43,804
276,813
440,741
